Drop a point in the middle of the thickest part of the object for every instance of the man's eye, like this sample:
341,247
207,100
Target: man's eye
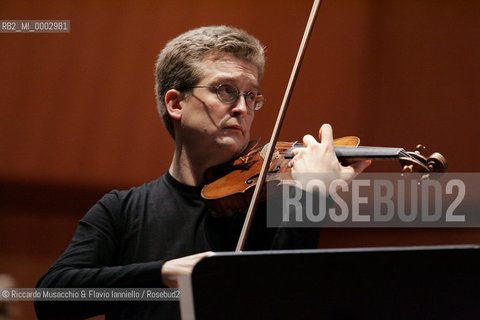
251,96
228,90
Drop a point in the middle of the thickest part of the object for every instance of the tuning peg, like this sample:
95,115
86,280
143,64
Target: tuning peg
419,148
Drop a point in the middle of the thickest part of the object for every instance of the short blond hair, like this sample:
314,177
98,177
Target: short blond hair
177,64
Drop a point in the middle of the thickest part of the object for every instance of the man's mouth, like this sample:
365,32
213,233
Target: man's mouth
234,127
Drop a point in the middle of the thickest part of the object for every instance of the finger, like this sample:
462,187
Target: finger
290,164
201,255
309,140
359,166
325,134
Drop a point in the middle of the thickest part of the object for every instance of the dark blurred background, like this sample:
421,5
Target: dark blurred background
78,115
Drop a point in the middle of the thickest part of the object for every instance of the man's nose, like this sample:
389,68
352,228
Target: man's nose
240,107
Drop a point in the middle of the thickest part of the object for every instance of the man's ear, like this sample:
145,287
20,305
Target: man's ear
172,103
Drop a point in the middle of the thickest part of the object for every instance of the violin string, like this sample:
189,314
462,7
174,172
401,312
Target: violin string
404,154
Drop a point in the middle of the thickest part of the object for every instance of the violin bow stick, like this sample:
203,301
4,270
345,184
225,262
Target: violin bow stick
276,130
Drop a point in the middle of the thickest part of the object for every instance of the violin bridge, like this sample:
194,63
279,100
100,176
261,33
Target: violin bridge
263,153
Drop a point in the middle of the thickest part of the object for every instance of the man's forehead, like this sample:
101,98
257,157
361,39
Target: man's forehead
224,66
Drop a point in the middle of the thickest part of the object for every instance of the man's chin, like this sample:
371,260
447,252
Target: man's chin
233,146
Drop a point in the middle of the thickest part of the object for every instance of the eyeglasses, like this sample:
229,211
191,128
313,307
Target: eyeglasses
229,94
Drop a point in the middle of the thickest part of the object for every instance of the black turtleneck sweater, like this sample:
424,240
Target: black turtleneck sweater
125,238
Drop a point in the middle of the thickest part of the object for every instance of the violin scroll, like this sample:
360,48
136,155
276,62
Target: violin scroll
416,162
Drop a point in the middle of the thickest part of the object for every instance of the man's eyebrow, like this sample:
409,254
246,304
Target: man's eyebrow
226,79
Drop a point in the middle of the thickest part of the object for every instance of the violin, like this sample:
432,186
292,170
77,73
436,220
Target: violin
234,181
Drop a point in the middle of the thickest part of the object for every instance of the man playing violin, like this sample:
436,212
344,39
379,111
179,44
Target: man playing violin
208,90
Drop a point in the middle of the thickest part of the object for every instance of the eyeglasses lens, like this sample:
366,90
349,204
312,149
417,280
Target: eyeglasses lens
229,94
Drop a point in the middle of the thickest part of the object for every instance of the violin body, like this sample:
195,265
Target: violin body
231,185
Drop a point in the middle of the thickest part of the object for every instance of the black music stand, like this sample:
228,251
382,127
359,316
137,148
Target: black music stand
438,282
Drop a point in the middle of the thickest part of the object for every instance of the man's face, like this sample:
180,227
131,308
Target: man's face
211,124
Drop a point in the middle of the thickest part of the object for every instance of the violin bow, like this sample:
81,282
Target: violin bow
276,130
